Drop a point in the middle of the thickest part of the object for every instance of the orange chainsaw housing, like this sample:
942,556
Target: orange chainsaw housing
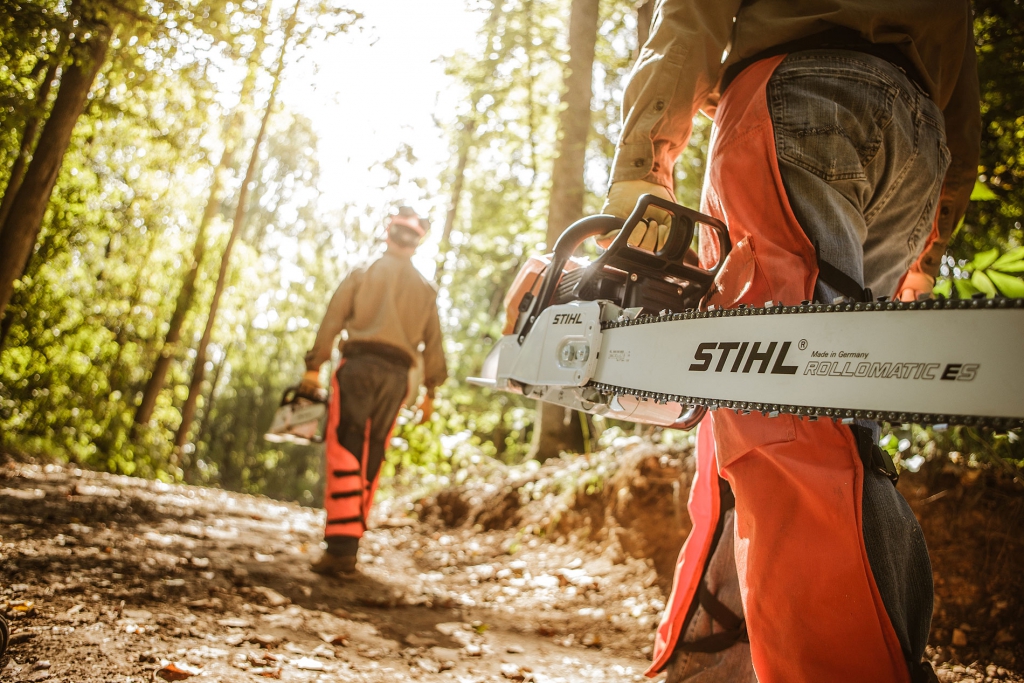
528,281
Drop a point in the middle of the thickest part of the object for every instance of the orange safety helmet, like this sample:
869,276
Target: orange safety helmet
406,228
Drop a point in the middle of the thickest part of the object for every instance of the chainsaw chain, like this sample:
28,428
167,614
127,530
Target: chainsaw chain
846,415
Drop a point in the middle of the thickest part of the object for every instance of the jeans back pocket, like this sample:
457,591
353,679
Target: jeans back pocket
829,115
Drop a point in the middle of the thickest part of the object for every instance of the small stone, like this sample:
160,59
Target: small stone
308,664
274,598
235,639
959,638
444,654
428,665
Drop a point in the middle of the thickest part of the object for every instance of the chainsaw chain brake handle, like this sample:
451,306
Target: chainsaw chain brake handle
666,264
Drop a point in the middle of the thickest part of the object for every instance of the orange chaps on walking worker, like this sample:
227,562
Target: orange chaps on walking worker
349,493
366,393
811,604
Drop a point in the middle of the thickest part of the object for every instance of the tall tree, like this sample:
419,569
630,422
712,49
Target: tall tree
555,429
187,292
21,229
28,134
188,410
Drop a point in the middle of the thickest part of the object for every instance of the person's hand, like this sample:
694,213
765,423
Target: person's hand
916,285
427,406
310,383
622,197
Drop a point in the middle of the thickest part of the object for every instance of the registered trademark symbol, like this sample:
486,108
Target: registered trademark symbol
802,344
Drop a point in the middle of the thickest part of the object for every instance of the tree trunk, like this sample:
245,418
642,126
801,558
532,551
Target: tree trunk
21,229
553,432
465,144
182,305
567,188
187,293
188,410
28,134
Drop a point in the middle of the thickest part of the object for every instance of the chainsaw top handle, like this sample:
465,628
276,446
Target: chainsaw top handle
665,263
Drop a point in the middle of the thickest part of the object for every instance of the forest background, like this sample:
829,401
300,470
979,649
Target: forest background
165,256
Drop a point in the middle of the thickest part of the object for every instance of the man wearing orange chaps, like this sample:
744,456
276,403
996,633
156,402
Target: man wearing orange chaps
843,153
389,312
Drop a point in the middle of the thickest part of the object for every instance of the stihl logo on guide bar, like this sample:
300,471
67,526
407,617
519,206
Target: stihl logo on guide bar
568,319
758,357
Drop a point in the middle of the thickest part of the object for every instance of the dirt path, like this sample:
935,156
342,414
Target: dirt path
118,579
112,578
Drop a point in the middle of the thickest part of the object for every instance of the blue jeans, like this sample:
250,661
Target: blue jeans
862,153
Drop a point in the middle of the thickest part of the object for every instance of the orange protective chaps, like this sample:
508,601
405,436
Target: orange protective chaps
355,443
813,611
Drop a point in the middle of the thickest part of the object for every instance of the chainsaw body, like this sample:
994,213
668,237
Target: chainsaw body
628,337
300,418
558,303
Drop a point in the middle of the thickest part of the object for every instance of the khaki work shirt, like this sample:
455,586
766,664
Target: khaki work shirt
388,302
679,70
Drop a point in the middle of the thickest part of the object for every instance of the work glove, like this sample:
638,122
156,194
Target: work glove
310,384
916,285
622,198
427,406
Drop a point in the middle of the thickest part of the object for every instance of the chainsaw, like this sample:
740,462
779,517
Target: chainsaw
299,418
631,336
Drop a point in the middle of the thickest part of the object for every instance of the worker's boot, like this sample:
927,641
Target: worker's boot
340,566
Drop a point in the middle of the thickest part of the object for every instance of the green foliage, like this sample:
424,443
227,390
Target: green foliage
989,272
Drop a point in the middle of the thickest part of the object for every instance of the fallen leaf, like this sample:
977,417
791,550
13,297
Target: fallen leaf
268,672
334,638
265,640
177,672
262,658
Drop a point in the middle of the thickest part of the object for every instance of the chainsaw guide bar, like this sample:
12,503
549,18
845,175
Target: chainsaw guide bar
989,380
